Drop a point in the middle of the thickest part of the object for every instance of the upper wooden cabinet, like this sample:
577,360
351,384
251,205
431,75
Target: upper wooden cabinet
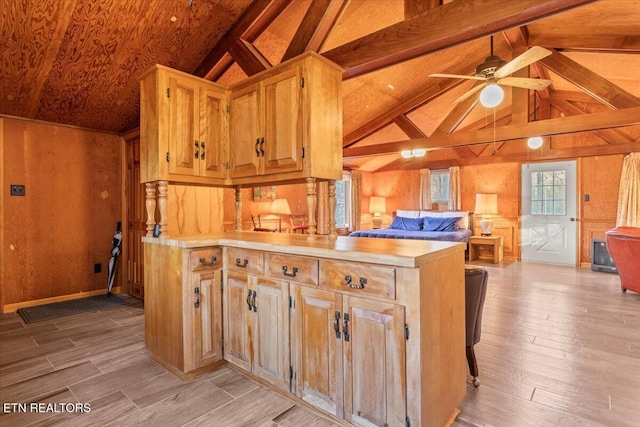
286,123
184,128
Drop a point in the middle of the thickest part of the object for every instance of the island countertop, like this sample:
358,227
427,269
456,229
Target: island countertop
401,253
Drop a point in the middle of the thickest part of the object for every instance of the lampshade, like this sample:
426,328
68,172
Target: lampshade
491,96
280,207
377,205
486,204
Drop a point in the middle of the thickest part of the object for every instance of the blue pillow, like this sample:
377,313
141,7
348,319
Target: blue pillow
403,223
440,224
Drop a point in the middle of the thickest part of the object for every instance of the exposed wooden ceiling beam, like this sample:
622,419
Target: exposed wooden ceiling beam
460,111
593,84
435,89
573,96
248,57
524,157
416,7
517,37
601,43
408,127
315,26
255,19
448,25
557,126
611,136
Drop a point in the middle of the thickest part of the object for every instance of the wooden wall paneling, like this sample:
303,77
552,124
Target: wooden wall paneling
194,210
65,222
2,221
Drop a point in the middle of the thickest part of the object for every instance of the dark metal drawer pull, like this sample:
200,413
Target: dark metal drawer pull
244,264
348,280
292,274
213,261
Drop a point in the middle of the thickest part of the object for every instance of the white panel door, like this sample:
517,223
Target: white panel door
549,226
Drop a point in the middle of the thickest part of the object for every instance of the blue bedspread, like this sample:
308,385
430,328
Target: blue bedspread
391,233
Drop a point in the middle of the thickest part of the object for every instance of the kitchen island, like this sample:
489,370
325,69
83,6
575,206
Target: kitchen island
370,331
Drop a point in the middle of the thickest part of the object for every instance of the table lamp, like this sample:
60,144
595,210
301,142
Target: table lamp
377,206
486,207
280,207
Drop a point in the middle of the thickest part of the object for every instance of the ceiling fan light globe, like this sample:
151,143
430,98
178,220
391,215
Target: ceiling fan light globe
419,152
534,142
406,154
491,96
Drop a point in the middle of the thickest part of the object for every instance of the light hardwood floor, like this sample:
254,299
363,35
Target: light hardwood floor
560,347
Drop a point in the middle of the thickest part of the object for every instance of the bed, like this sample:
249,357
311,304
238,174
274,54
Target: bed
450,226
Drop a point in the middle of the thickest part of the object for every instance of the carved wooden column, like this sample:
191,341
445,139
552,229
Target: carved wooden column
150,203
311,208
238,208
333,234
163,202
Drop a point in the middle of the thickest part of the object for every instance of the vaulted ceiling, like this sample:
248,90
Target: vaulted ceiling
78,62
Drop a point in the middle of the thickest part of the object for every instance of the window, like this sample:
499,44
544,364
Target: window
440,187
548,192
343,200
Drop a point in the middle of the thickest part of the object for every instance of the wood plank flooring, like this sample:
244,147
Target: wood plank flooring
560,346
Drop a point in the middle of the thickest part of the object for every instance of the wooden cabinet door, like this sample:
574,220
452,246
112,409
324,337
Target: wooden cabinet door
374,358
283,122
317,349
237,317
183,126
245,132
207,319
214,128
271,356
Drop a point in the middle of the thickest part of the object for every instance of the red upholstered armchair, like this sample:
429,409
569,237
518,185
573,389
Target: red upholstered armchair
623,244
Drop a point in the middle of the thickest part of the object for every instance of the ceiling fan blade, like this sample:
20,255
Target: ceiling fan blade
532,55
525,83
457,76
470,92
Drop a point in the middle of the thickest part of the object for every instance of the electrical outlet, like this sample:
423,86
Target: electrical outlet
17,190
97,268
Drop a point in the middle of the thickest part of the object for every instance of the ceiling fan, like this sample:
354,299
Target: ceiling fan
495,71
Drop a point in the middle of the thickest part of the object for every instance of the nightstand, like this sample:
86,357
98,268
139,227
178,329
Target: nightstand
495,241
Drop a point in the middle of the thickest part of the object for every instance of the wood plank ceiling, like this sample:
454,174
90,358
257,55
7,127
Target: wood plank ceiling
78,62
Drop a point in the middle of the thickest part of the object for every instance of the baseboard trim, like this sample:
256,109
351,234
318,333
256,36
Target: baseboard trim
12,308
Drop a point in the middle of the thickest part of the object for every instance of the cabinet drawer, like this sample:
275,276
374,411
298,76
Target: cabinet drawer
358,278
292,268
203,259
245,260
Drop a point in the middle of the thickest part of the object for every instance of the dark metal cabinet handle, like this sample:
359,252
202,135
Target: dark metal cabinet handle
244,264
202,146
249,299
348,280
204,263
345,327
196,291
262,146
197,153
293,273
336,324
253,301
257,143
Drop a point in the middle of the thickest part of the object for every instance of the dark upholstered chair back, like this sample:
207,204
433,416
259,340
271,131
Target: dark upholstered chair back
475,292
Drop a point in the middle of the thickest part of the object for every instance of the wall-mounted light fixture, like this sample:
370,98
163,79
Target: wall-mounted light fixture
417,152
